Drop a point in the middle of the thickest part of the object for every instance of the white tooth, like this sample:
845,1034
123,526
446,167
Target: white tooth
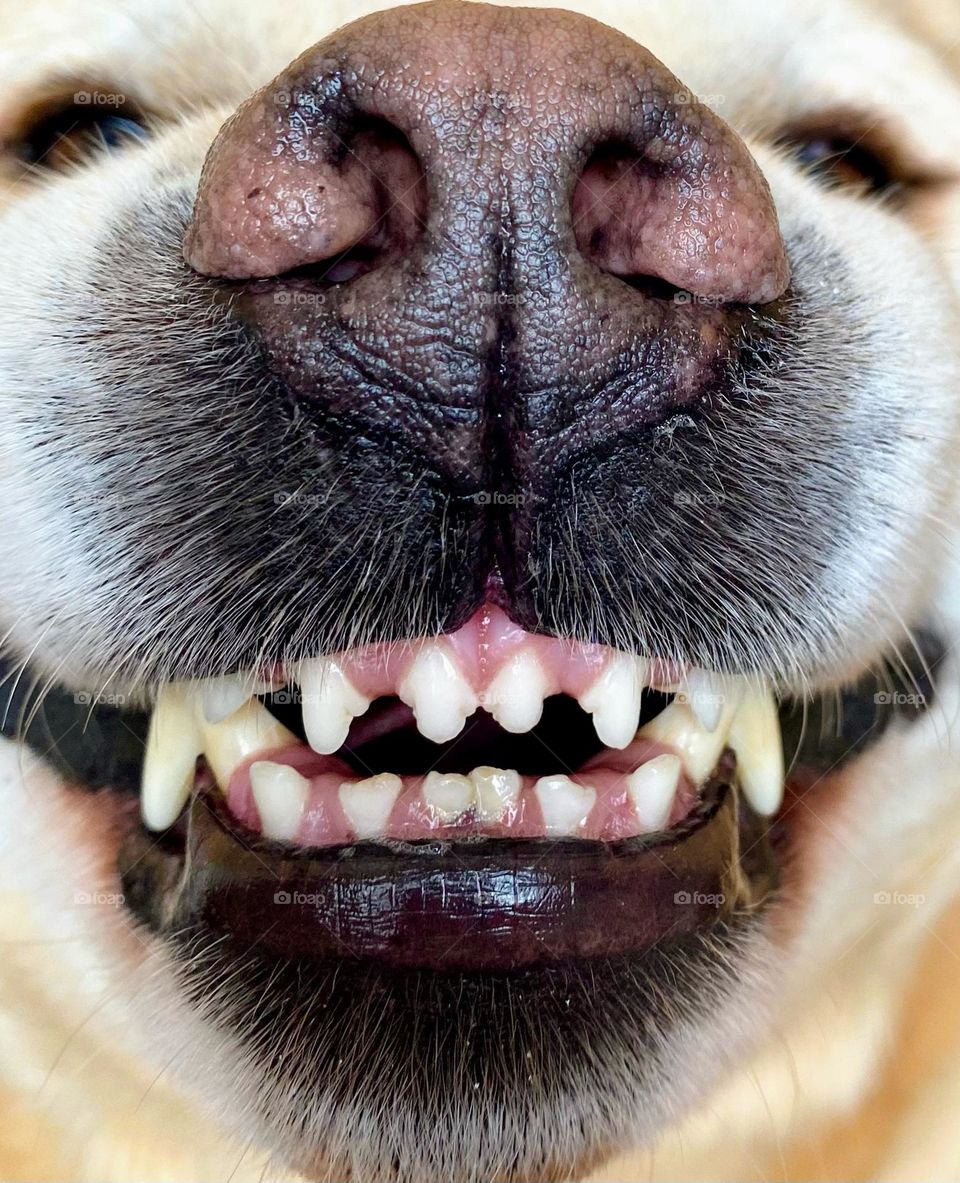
437,692
222,696
281,795
449,794
705,694
755,737
173,746
330,703
564,804
515,696
652,788
614,699
678,727
368,803
248,732
497,789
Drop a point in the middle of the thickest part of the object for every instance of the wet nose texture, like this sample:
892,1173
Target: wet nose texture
497,245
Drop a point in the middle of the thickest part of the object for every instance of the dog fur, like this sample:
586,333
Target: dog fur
853,997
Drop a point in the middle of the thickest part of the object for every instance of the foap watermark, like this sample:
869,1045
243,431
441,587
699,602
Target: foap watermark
101,698
99,98
899,899
310,898
300,299
685,98
497,497
499,299
285,499
98,899
684,297
688,899
699,498
899,698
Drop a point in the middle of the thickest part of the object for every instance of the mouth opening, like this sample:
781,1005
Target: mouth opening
380,804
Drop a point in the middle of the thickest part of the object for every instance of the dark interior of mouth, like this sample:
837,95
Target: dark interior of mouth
98,744
386,737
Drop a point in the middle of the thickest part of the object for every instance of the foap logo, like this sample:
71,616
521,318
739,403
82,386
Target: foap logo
694,899
899,698
683,297
98,899
99,98
84,698
699,498
899,899
686,98
497,497
300,299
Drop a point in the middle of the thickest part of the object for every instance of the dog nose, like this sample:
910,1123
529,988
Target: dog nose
534,138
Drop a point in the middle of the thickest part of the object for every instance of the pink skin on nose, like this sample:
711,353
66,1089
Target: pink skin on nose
386,138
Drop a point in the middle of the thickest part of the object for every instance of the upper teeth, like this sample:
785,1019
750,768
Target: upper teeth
707,716
439,695
614,699
330,703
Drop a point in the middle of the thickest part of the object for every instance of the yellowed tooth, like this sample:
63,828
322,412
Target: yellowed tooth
448,794
437,692
497,789
368,803
653,788
173,745
755,738
330,703
249,731
281,795
614,699
678,727
565,805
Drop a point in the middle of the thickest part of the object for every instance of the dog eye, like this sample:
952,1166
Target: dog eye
839,160
64,134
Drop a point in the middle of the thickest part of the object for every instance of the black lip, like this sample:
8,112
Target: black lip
479,906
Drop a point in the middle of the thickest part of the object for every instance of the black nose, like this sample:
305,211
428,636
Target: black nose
503,241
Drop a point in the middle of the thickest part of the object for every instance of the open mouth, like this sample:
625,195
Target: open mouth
485,800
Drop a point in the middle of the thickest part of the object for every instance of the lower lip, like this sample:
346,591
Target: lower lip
470,907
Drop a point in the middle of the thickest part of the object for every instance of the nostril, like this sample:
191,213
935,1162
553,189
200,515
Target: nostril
684,212
333,209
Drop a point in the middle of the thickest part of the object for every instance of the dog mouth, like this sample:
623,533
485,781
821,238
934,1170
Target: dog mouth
485,800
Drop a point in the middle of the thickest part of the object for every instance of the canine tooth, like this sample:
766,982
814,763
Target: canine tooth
497,789
755,737
678,727
564,804
247,732
515,696
438,694
367,803
281,795
173,745
705,694
330,703
614,699
449,794
652,788
220,697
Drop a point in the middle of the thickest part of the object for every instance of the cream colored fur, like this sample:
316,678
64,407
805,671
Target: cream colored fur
860,1074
